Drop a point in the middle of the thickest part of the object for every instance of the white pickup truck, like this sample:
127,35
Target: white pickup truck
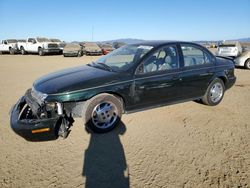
8,46
38,45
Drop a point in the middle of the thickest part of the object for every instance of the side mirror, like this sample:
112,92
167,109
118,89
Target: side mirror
5,42
33,42
140,69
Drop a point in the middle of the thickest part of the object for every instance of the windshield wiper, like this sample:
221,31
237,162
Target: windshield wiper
105,66
101,65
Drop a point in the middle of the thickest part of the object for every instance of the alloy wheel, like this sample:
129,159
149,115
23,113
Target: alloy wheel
104,115
216,92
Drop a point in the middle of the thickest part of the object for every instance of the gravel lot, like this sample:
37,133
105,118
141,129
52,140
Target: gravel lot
183,145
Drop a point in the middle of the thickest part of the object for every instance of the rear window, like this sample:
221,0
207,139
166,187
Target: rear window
194,56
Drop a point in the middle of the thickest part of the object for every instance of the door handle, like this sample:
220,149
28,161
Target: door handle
206,73
176,77
141,87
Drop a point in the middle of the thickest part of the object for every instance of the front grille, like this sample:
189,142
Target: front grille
52,46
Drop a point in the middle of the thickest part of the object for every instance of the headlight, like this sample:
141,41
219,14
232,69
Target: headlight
50,106
45,45
39,96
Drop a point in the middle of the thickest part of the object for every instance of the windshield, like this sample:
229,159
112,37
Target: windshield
43,40
123,58
55,40
11,41
106,46
90,44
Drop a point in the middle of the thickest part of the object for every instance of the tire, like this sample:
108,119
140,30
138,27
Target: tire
214,93
40,52
23,52
247,64
12,51
79,54
110,112
1,52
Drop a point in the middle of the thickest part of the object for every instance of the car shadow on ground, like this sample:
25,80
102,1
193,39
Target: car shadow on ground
105,162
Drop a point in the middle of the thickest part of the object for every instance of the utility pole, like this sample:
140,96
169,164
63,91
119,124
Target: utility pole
92,33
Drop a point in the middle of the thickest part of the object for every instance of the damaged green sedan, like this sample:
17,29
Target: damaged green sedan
131,78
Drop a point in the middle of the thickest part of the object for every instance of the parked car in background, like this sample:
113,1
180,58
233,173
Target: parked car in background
106,48
117,45
38,45
21,40
60,43
91,48
245,46
8,46
73,50
131,78
229,49
243,60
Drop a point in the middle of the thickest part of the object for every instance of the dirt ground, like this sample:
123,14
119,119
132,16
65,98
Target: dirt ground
183,145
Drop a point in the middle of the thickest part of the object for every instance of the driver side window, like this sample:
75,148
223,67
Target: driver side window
163,59
31,40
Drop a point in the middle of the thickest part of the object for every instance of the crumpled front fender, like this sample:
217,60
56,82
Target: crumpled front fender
33,129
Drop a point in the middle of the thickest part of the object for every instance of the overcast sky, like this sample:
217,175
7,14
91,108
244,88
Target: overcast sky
112,19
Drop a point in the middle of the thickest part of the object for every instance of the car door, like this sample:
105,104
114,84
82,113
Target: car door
157,78
31,46
198,70
1,46
5,46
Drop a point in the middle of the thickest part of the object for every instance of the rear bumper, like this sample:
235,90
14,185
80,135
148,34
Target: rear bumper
231,82
33,129
239,62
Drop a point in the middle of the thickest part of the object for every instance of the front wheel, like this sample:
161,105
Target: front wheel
102,113
40,52
79,54
214,93
23,52
12,51
247,64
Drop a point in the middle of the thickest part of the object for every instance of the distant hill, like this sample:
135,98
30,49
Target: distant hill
132,41
126,40
243,40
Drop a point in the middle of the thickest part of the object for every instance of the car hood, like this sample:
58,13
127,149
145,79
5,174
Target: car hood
74,79
92,49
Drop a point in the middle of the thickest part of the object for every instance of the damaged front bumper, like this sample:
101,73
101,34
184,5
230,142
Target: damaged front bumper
30,127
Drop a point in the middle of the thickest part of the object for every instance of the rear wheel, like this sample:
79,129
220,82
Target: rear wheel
40,51
214,93
102,113
1,52
247,64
